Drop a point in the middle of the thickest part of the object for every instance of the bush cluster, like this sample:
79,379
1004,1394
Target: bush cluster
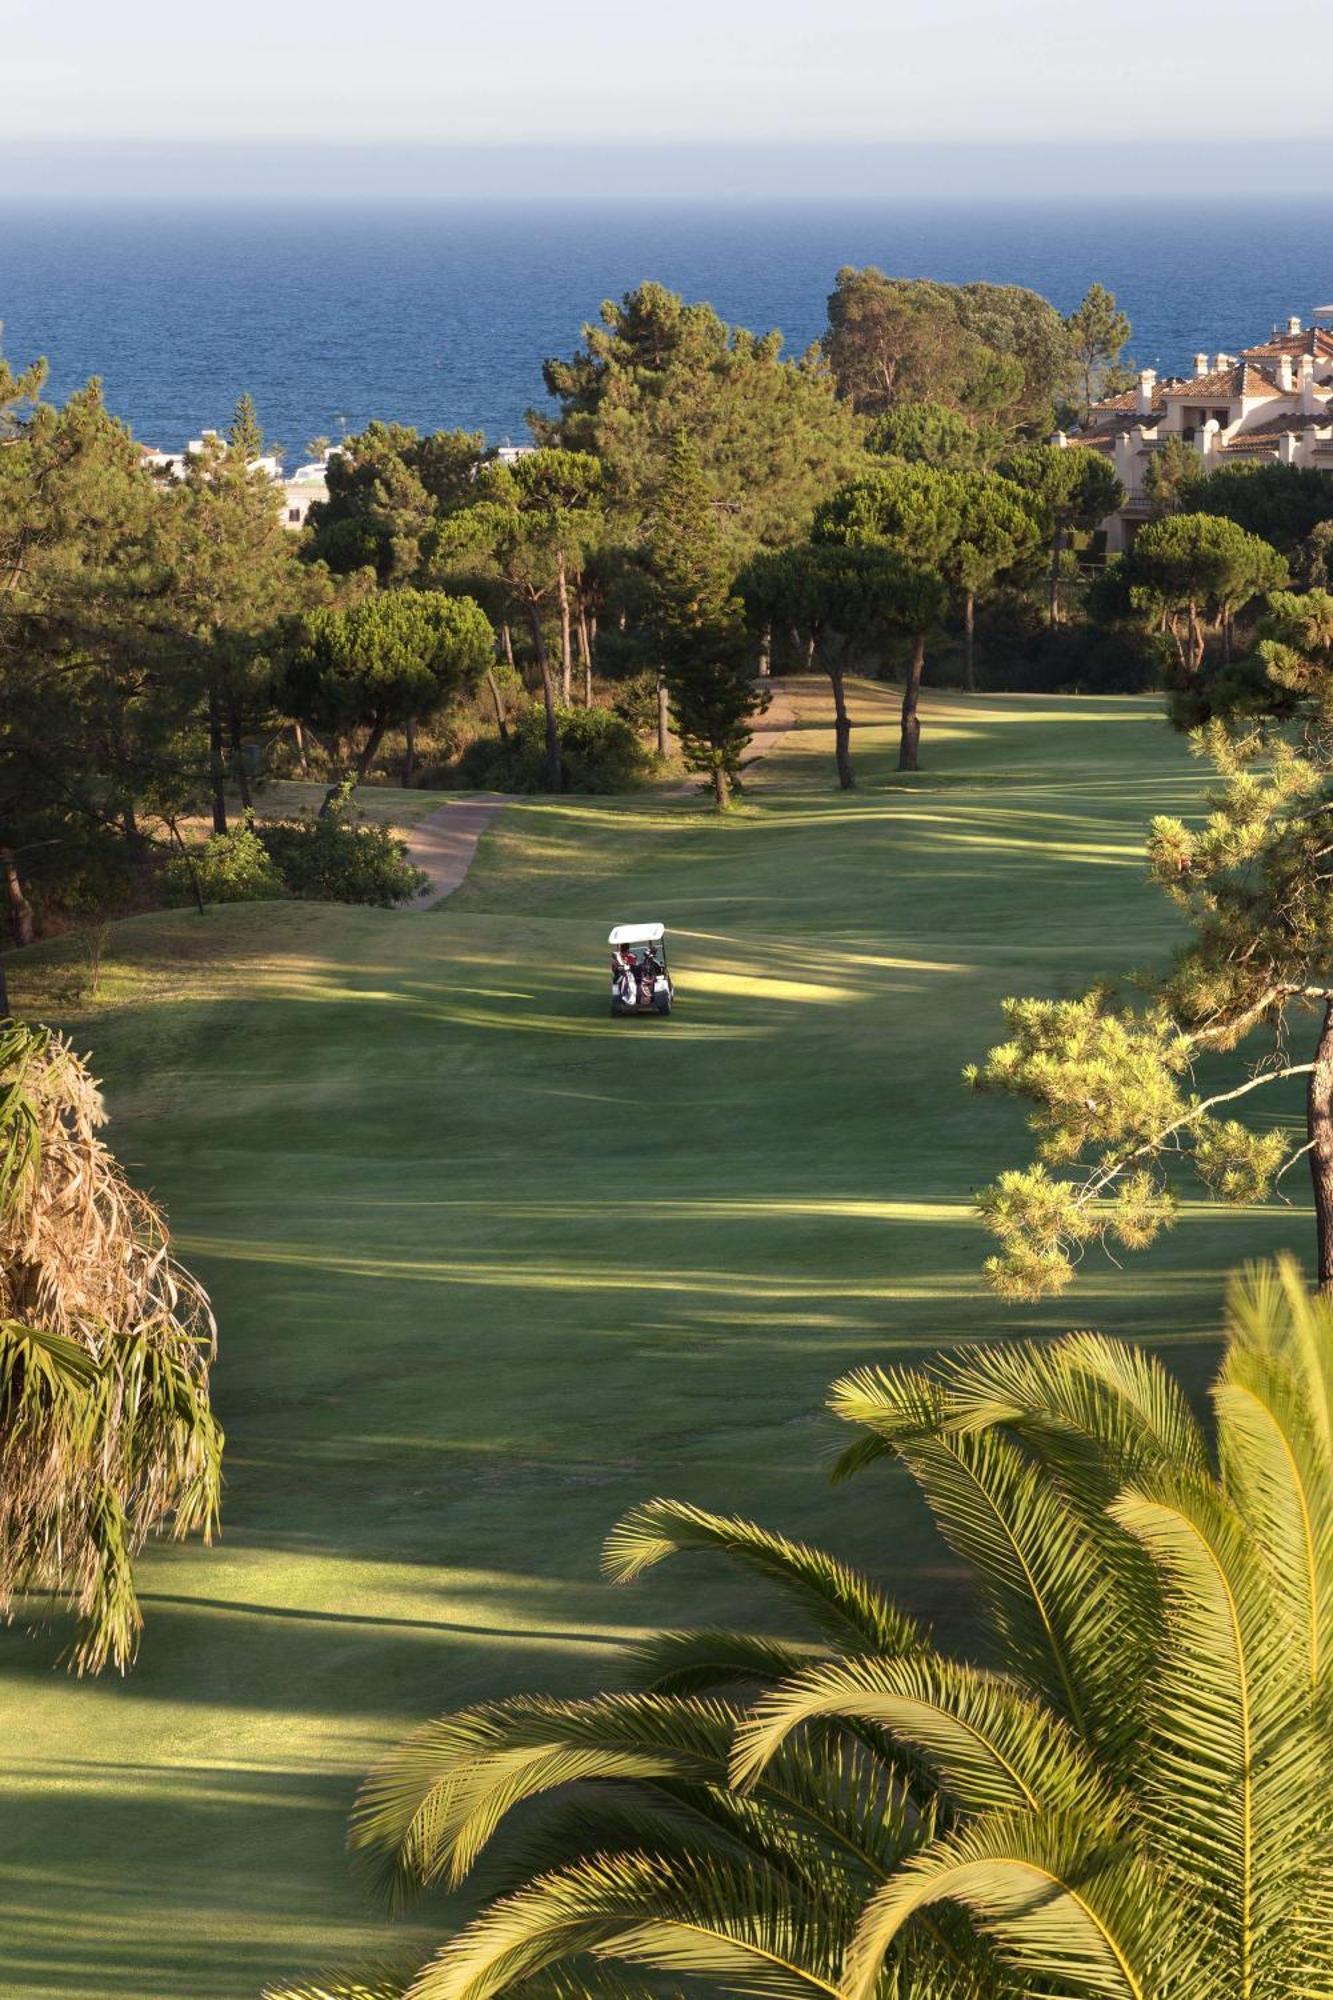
337,859
599,753
232,867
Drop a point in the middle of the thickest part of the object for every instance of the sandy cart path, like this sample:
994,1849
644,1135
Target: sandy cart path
444,843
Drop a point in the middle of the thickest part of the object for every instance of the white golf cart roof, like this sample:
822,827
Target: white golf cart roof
637,934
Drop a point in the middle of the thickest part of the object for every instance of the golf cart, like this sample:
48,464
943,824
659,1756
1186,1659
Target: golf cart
640,982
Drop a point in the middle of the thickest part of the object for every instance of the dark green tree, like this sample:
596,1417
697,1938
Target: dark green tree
932,434
245,433
231,575
967,527
1282,504
1187,573
1098,332
389,490
96,706
995,351
1172,475
525,533
696,624
1070,490
772,435
997,533
399,656
841,602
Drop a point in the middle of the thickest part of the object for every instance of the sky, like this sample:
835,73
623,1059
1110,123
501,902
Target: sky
552,80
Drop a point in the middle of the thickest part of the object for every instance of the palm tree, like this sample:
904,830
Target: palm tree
106,1433
1129,1801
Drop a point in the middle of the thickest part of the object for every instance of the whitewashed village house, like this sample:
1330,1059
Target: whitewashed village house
306,485
1273,402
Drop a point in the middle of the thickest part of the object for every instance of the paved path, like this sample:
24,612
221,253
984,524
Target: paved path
444,842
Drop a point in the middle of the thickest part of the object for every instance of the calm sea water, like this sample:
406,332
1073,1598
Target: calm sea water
443,315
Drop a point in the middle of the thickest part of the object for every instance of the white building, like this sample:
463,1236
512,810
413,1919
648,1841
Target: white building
307,484
1272,403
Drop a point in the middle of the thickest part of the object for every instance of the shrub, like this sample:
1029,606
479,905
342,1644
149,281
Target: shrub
635,700
342,859
230,867
599,753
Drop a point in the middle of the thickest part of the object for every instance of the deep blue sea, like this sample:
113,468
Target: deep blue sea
437,316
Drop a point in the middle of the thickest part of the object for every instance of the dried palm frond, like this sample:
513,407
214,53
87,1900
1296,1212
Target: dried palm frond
106,1433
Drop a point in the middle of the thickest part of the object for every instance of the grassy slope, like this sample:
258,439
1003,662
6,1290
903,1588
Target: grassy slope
490,1267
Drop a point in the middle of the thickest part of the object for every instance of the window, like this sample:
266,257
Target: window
294,514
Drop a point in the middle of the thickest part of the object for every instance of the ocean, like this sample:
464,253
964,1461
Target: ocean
442,315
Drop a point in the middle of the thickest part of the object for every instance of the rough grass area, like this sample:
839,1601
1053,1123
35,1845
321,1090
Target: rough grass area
490,1267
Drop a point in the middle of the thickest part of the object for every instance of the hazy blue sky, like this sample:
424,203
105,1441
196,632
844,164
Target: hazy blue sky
691,70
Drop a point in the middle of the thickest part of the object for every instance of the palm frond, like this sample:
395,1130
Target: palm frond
1274,1474
844,1606
1064,1902
728,1926
711,1662
1237,1788
370,1983
1099,1411
1054,1585
991,1746
426,1812
1270,1307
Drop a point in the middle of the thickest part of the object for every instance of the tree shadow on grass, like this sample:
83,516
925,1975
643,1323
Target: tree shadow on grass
239,1875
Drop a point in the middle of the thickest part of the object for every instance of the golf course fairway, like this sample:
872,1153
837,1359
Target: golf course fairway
489,1267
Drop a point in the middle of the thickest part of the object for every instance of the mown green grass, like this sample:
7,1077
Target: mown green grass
490,1267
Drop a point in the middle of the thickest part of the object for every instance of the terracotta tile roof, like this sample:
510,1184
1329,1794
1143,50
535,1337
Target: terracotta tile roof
1287,420
1128,399
1224,385
1247,446
1313,340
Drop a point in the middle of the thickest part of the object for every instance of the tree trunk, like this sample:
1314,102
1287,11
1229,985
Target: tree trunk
507,647
217,763
970,641
911,723
566,640
1057,546
1195,638
663,718
1319,1130
721,788
766,652
842,730
551,772
371,745
302,763
235,734
21,924
409,752
501,725
585,654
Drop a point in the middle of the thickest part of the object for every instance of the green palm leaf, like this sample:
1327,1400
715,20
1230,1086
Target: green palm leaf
1098,1411
844,1606
991,1746
1063,1900
727,1926
712,1661
1053,1594
1237,1788
426,1813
